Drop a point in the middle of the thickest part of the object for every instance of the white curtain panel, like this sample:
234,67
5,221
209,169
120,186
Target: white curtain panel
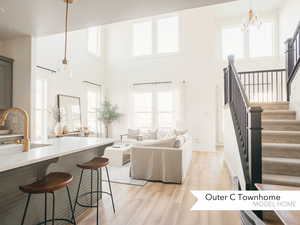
180,104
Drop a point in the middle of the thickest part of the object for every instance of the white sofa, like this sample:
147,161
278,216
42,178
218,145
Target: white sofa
166,164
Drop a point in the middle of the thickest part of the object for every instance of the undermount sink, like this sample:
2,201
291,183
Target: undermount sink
32,146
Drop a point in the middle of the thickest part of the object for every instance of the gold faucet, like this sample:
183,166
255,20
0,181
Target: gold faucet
3,117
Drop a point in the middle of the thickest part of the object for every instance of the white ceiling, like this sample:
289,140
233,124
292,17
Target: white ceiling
240,7
42,17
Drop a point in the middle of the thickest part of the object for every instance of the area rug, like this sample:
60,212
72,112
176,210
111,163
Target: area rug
120,175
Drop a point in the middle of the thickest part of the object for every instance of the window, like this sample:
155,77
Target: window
94,40
142,38
233,42
167,35
143,110
258,42
153,109
93,103
158,35
165,109
261,40
40,109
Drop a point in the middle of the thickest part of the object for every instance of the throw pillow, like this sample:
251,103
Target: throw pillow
133,133
180,132
149,135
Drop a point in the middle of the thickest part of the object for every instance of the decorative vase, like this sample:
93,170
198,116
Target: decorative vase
58,129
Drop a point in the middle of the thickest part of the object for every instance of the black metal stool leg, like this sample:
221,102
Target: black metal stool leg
97,196
71,207
76,199
111,194
45,215
53,207
101,183
91,187
26,207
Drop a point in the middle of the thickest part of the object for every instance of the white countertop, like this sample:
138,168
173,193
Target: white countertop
12,156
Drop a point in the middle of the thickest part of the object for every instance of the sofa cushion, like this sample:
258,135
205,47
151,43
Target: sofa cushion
168,143
149,135
164,134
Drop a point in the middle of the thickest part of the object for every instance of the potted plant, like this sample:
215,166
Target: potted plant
107,114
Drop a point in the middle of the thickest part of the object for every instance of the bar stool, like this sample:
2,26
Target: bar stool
49,184
96,164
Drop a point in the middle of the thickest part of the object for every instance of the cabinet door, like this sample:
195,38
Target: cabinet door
5,84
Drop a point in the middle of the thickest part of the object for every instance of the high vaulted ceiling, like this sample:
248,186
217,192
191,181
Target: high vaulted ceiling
42,17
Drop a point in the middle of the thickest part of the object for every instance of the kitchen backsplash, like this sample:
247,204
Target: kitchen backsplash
14,123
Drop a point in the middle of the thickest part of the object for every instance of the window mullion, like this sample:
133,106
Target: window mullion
247,45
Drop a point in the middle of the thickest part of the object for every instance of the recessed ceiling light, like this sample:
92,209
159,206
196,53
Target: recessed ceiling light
2,10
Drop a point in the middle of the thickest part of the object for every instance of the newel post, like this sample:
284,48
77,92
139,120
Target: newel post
255,153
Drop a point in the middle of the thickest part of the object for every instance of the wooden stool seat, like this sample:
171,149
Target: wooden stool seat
49,183
95,163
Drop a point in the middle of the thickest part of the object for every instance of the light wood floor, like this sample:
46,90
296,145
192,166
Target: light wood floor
169,204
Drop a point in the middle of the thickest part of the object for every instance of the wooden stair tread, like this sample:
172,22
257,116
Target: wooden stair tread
282,145
279,111
282,121
278,132
281,179
281,160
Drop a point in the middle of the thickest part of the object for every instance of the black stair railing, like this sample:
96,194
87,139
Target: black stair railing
247,125
292,59
265,85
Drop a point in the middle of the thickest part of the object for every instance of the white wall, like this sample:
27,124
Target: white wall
85,67
231,149
196,63
20,50
289,18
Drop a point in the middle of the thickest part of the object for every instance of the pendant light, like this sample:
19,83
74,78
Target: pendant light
252,19
66,67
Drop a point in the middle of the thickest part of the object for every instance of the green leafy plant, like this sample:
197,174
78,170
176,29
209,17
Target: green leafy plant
107,114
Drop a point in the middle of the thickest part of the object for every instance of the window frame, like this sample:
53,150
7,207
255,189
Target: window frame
154,21
99,124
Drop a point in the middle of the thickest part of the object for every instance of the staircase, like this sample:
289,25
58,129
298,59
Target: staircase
280,144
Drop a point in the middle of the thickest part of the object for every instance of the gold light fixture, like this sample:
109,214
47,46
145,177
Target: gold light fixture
251,20
65,63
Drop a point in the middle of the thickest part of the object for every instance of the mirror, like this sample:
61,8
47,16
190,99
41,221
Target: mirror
70,111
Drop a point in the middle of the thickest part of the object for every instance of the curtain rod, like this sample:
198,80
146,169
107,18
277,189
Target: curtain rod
44,68
99,85
163,82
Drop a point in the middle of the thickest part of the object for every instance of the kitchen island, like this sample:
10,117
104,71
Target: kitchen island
19,168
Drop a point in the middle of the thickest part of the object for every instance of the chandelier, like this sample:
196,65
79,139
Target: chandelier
252,19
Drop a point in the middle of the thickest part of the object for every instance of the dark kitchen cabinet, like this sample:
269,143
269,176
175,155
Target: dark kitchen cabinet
6,82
